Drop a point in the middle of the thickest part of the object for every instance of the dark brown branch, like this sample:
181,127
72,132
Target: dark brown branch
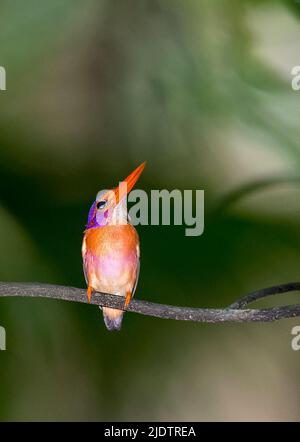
263,293
234,313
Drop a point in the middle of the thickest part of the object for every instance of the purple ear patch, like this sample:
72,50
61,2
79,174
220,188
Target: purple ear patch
92,222
96,218
91,212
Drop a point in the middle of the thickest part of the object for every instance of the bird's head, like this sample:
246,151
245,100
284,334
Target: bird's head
110,205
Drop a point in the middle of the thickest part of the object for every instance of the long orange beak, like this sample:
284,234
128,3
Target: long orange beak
130,181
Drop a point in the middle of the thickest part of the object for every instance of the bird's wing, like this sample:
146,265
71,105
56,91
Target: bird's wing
137,270
84,271
83,260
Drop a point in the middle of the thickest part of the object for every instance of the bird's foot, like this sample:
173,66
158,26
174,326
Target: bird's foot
127,299
89,293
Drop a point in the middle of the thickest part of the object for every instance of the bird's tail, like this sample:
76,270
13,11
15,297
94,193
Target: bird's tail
112,318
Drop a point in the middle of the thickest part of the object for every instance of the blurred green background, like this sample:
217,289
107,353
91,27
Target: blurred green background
200,89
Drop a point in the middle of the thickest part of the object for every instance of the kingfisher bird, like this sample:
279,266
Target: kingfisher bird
111,248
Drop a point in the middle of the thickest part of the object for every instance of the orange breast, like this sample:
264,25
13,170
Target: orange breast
101,240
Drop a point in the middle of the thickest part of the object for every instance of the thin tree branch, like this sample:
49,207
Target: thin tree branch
263,293
234,313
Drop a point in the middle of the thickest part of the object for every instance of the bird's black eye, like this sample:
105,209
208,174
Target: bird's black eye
101,204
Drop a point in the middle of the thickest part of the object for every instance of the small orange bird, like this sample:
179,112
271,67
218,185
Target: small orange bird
111,249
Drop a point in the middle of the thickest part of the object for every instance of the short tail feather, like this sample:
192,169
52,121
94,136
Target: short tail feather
112,318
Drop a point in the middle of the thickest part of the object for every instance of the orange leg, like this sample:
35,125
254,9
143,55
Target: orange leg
89,293
127,299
